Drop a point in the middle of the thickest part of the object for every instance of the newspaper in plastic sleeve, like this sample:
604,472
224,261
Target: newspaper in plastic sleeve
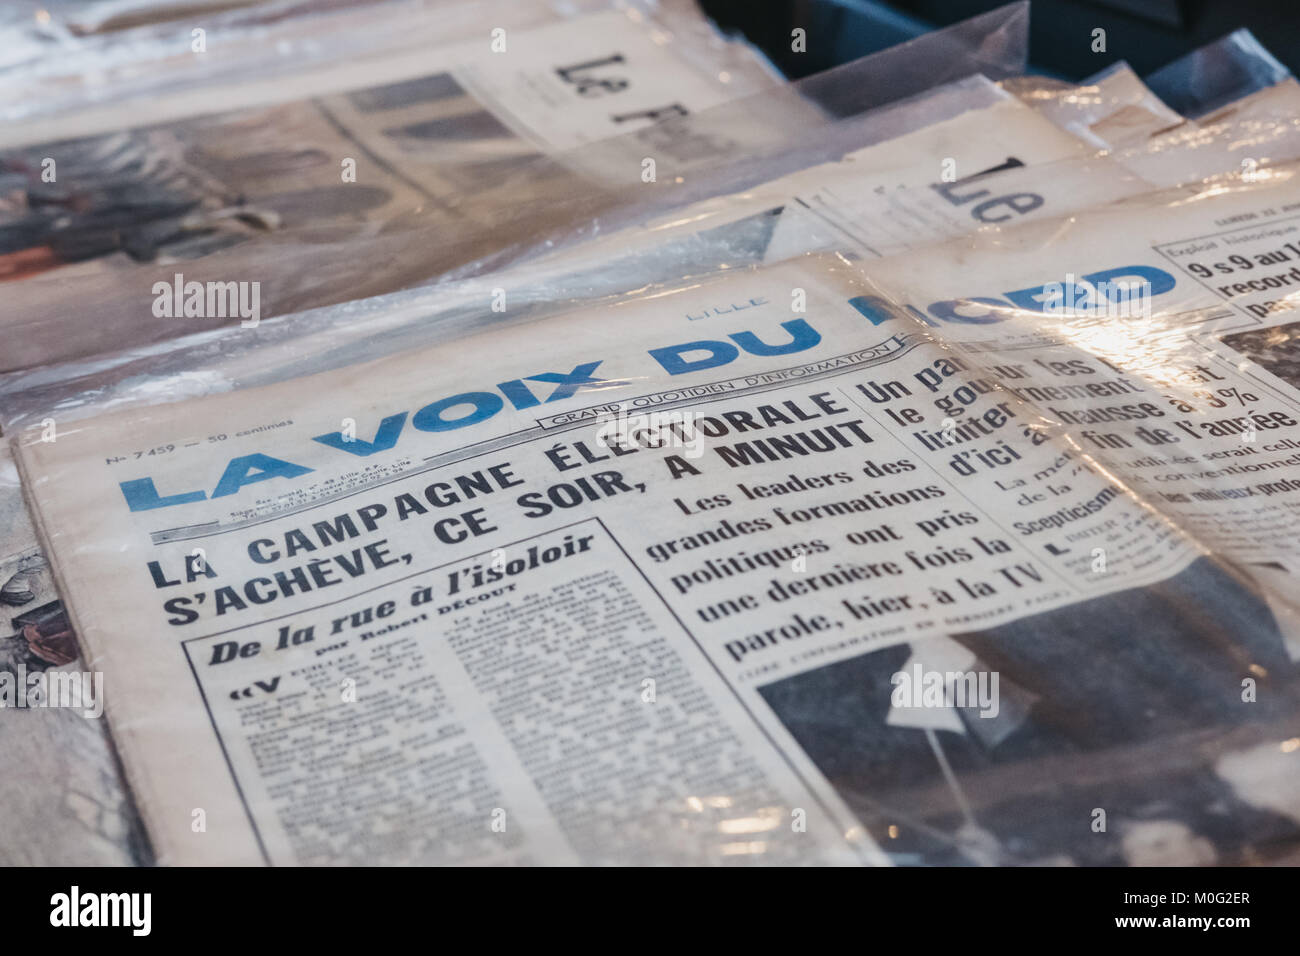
1109,325
634,585
378,141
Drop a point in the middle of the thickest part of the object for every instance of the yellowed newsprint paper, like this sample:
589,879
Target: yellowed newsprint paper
661,582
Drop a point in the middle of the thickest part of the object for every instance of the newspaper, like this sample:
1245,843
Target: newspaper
1110,109
664,581
368,144
1207,436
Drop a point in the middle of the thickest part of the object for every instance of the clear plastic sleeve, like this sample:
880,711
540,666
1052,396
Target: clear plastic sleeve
1216,74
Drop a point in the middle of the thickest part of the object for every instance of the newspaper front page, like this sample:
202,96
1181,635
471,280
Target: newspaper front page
636,585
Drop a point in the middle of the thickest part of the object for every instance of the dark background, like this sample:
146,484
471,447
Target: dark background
1145,33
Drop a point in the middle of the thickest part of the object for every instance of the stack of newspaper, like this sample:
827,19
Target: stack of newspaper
567,442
